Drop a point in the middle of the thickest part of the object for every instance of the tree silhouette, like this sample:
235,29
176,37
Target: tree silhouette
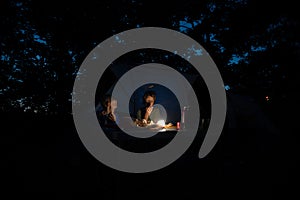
44,43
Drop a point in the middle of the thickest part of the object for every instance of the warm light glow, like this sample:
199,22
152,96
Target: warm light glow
161,122
267,98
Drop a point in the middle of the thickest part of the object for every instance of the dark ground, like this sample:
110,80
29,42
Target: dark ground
253,158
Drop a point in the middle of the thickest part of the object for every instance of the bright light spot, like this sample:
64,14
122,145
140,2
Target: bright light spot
161,122
267,98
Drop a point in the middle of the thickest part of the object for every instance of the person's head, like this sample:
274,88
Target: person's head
149,98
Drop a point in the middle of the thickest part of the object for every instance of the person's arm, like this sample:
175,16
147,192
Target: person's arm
112,117
139,115
147,114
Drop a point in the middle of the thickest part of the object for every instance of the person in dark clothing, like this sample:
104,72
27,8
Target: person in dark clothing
148,113
107,115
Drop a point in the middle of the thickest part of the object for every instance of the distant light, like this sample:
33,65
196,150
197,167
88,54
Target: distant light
267,98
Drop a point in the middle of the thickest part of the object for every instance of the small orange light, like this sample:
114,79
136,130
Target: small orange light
267,98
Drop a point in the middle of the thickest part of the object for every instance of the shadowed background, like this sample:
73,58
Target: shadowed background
255,46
